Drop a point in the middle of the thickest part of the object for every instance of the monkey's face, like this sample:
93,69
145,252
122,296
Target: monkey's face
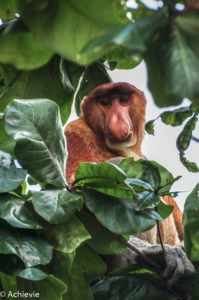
118,126
115,112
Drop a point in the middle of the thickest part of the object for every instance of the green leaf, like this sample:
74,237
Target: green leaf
156,78
189,286
124,219
181,66
191,224
7,143
66,27
8,8
191,166
39,148
183,142
50,288
104,177
33,274
177,116
19,48
87,267
68,236
93,76
44,82
133,37
102,240
149,127
56,206
123,59
131,287
18,213
148,171
10,176
164,210
184,137
28,247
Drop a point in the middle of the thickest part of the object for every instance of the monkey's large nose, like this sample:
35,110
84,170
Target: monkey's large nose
119,128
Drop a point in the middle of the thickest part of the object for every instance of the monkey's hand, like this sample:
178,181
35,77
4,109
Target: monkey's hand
173,260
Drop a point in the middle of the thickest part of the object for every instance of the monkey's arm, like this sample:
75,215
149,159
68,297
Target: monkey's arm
173,261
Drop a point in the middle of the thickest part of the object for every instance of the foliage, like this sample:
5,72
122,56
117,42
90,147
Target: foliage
54,53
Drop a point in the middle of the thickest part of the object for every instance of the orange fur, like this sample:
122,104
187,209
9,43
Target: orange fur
86,141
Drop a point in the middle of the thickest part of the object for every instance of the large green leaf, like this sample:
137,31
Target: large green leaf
19,48
134,37
45,82
124,219
68,236
50,288
102,240
189,24
10,176
28,247
131,287
18,213
156,77
189,286
181,66
104,177
93,76
87,267
56,206
191,225
8,9
40,143
66,26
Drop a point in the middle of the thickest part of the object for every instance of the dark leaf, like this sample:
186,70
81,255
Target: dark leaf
50,288
19,48
68,236
191,225
87,267
181,66
156,77
102,240
124,219
56,206
83,21
184,137
93,76
131,287
18,213
29,248
133,37
45,82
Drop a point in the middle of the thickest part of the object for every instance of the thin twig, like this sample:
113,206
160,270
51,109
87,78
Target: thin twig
160,237
146,259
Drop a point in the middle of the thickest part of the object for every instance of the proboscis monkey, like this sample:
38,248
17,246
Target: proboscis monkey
112,125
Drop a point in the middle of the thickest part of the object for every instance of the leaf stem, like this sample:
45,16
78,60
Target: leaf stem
147,259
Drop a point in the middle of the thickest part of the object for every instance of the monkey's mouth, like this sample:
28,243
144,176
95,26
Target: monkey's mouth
115,140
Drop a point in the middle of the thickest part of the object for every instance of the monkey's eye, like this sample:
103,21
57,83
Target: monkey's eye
124,99
104,102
